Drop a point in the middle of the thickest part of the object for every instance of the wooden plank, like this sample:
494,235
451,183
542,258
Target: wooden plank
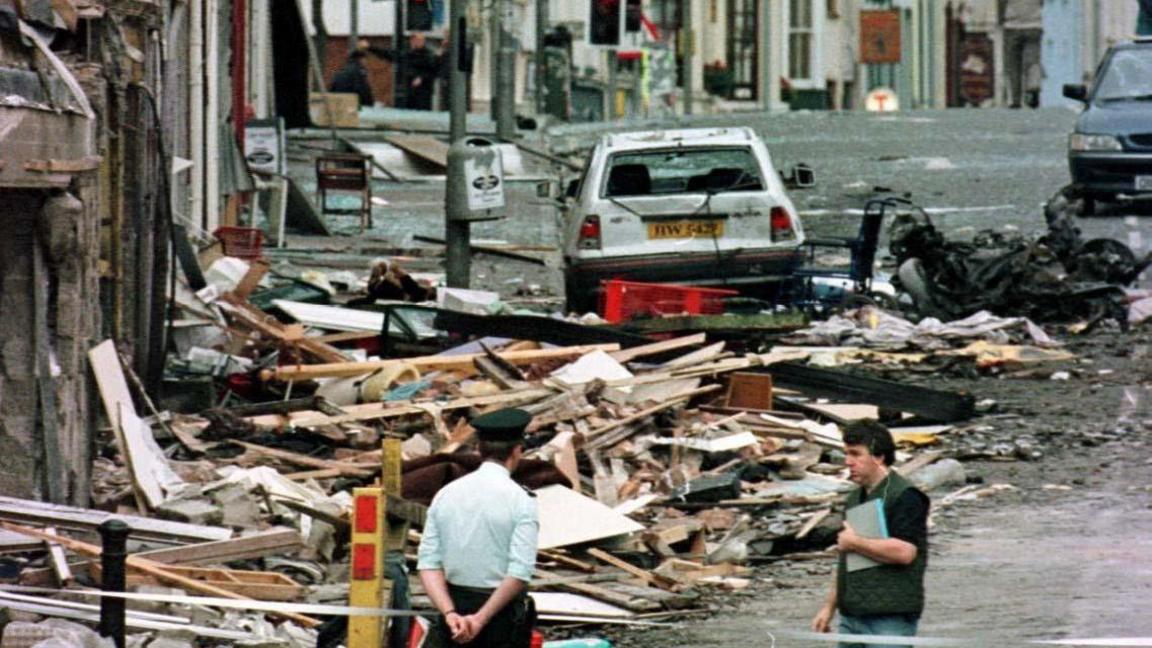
628,355
296,458
257,268
371,411
653,579
700,356
461,363
68,517
600,438
626,601
568,561
816,519
275,541
58,562
426,148
154,569
261,586
266,543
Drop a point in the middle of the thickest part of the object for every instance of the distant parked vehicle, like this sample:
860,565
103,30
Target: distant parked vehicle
697,206
1110,152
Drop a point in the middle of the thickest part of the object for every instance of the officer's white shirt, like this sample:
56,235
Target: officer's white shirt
481,528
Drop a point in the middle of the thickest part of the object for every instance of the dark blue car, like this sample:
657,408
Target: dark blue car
1110,152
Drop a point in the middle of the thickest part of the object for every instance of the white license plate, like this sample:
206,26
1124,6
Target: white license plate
1143,183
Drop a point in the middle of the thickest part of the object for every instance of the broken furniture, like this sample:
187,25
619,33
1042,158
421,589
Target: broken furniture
349,173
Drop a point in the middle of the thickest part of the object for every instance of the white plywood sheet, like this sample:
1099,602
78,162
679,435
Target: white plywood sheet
332,318
110,380
568,518
575,604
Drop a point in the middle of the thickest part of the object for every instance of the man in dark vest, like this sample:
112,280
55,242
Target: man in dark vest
885,599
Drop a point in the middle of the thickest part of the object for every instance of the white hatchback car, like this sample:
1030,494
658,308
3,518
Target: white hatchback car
700,206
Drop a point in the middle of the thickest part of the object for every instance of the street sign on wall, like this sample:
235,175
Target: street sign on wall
880,37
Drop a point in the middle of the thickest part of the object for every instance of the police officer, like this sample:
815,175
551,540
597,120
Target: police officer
479,546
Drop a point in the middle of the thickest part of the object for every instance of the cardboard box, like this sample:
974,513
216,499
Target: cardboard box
344,108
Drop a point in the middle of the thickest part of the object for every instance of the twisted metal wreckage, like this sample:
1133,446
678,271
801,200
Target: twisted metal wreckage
1056,277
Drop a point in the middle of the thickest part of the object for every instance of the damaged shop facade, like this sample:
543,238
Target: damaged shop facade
80,195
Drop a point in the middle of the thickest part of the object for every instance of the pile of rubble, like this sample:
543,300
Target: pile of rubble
664,468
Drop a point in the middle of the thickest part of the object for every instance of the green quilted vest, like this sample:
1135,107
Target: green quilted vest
885,589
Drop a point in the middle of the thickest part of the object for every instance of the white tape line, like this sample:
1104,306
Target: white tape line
1104,642
260,606
889,640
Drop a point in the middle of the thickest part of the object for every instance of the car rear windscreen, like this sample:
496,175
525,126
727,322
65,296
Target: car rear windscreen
683,170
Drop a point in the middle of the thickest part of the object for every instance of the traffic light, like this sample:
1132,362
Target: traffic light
418,15
632,13
604,22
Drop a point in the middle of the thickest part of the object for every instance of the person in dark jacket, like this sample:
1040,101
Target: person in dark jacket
886,598
419,65
353,78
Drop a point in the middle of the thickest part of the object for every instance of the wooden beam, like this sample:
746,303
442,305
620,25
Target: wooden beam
462,363
152,568
298,459
628,355
653,579
371,411
600,437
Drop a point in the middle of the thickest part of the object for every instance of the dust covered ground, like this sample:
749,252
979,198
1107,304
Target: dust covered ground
1065,553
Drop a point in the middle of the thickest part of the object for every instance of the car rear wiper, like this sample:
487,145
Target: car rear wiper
616,202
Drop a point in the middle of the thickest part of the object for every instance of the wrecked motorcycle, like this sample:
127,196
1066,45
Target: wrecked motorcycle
1058,277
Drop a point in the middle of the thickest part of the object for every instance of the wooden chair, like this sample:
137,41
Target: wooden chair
346,172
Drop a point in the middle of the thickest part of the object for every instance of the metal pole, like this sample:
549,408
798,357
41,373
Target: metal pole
353,24
458,233
506,72
613,79
689,48
399,91
114,538
541,31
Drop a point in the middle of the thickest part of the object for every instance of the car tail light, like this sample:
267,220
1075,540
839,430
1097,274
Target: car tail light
363,561
589,233
782,224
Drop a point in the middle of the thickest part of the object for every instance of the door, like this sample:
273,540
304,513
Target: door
743,48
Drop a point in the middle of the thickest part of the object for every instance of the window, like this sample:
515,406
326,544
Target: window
665,14
801,39
743,48
1128,77
683,170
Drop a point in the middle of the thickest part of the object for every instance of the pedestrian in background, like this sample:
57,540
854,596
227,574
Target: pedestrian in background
478,550
353,78
419,67
887,598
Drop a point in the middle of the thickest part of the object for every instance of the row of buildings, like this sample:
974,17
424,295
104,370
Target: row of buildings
779,54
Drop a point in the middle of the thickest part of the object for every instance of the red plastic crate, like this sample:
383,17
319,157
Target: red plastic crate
241,242
623,300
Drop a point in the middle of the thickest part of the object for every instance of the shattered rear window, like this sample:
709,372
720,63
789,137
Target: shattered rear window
683,170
